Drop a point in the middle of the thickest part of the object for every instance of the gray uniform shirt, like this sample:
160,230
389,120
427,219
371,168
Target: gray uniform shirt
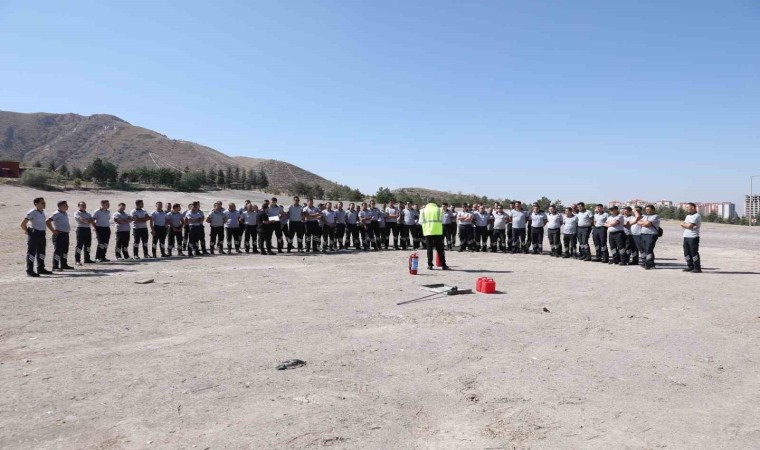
250,217
352,217
621,223
295,213
585,218
652,229
312,210
518,219
217,218
409,216
60,221
481,218
600,219
231,219
102,218
537,219
448,217
571,225
555,221
500,220
159,218
175,219
121,216
462,215
82,218
37,219
391,211
139,214
340,216
365,215
329,217
190,215
695,219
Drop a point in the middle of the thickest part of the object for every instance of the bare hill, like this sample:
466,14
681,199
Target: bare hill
282,174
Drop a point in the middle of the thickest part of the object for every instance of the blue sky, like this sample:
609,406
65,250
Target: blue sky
577,100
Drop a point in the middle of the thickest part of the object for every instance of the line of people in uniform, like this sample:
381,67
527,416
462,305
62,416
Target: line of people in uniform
631,233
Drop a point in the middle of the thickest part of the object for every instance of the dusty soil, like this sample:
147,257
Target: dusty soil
625,358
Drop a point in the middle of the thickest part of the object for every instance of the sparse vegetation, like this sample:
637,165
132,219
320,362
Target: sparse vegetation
38,178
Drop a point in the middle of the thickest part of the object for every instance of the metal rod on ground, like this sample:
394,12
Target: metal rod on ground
420,298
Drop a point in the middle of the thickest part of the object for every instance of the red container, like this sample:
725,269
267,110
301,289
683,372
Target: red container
414,263
488,286
479,284
437,259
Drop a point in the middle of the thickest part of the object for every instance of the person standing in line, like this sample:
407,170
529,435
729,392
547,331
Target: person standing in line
375,225
481,217
500,219
417,229
122,221
466,228
599,234
59,226
140,218
102,224
615,223
569,232
215,219
158,230
510,240
84,221
250,219
449,226
352,227
340,225
392,215
265,230
431,221
35,241
407,223
275,210
585,220
537,222
627,237
313,215
650,230
194,221
330,221
691,226
519,224
175,221
553,225
186,227
296,225
365,219
383,233
635,227
232,228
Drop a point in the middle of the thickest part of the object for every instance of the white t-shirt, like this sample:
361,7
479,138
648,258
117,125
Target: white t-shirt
571,225
518,219
554,221
537,219
696,219
620,223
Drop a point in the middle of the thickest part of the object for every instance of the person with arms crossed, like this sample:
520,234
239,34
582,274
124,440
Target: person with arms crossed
691,226
35,238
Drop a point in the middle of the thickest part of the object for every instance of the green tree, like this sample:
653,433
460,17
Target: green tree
101,171
76,172
544,203
318,191
52,166
263,180
220,180
229,177
236,175
191,181
383,195
35,178
37,164
63,170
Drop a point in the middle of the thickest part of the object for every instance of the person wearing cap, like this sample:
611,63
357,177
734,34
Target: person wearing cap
84,221
537,222
650,228
352,227
140,218
585,220
265,230
59,226
553,225
392,215
615,224
500,219
569,232
691,225
33,226
465,224
158,230
122,221
175,221
313,216
296,225
102,225
250,237
232,228
431,221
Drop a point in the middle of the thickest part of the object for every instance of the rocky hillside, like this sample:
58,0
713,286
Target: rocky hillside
282,174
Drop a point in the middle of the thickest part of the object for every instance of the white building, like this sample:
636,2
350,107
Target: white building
752,208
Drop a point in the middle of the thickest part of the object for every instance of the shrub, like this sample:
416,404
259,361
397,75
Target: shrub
35,178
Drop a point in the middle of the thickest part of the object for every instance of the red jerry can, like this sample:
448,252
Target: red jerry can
437,259
489,286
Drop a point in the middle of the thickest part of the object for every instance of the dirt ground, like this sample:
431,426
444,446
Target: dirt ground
625,358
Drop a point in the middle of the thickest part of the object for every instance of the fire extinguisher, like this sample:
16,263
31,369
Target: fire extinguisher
414,263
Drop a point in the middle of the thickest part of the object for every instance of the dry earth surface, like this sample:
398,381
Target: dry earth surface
625,358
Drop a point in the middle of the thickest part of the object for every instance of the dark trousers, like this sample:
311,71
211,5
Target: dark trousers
384,234
555,243
518,240
510,241
499,238
296,232
216,238
277,232
466,237
35,249
648,242
60,250
233,234
265,239
175,240
340,233
617,246
639,244
185,237
103,235
122,244
583,247
630,249
481,237
570,241
328,237
600,242
537,239
691,253
313,235
375,240
405,231
250,236
368,235
392,230
416,235
435,242
158,241
352,233
141,237
450,233
84,241
196,240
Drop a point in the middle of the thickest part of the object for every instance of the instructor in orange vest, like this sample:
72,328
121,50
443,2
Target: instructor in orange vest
431,219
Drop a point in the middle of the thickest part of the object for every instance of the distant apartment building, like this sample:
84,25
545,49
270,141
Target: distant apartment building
663,204
632,203
724,210
752,205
